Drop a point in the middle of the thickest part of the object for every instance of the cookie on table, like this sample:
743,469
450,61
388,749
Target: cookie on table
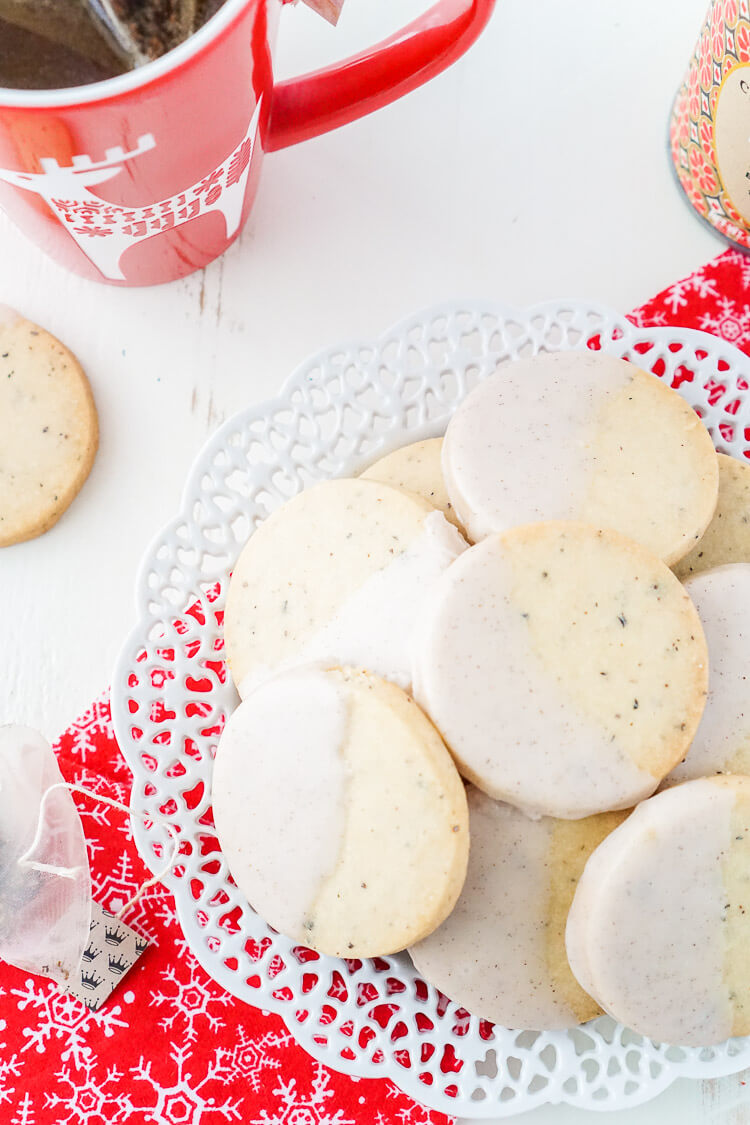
659,929
337,574
564,666
722,741
581,436
416,468
501,952
48,429
727,537
340,813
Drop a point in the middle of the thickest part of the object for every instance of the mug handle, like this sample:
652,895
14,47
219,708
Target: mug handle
325,99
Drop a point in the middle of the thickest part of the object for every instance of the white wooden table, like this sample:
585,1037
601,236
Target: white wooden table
535,168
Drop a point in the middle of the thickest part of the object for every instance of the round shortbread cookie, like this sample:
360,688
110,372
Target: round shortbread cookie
501,952
722,741
727,537
416,468
340,812
338,575
581,436
659,930
564,666
48,429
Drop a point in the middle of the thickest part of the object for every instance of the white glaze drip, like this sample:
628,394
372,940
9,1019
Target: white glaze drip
373,628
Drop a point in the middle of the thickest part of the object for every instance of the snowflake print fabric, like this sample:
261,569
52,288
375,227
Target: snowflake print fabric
715,298
709,162
171,1047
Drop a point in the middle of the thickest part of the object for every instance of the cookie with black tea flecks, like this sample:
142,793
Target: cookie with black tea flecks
727,537
658,931
416,468
565,667
501,951
49,430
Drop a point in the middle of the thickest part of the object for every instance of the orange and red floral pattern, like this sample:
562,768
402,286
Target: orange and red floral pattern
723,44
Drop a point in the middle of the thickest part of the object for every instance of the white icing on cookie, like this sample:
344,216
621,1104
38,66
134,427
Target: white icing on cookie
564,667
500,709
289,738
516,419
722,741
645,932
581,436
373,628
340,812
490,955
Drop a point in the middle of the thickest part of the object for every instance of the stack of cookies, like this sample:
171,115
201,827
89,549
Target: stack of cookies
462,670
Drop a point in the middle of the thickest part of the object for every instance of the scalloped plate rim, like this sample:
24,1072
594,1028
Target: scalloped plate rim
406,1080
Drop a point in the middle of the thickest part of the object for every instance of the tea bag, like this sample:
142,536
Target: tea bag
45,886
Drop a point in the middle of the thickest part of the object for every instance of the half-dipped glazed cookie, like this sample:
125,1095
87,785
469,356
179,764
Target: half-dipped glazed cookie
501,952
722,741
338,574
659,929
565,668
581,436
340,812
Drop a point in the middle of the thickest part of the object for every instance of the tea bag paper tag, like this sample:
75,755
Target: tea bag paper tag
328,9
110,953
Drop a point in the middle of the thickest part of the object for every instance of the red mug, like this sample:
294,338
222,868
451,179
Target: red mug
148,176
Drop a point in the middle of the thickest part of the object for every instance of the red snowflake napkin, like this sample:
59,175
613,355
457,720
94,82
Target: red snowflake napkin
171,1047
715,298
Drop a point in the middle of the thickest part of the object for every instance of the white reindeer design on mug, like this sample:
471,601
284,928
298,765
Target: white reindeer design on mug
103,230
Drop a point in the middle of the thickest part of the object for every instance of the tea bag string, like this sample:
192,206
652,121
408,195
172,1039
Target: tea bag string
118,33
67,872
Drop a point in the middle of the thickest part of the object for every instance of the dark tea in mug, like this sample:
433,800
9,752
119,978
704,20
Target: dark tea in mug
51,44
